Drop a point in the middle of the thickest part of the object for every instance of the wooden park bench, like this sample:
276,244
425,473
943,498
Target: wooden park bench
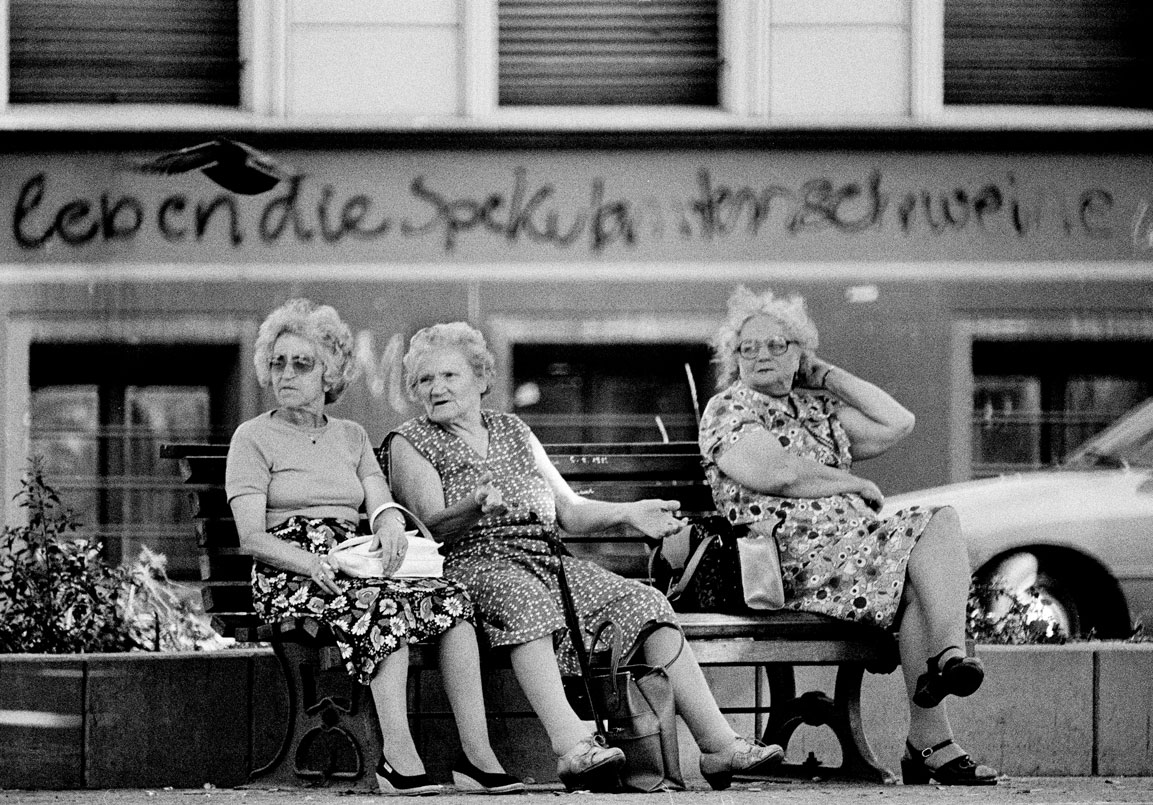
332,733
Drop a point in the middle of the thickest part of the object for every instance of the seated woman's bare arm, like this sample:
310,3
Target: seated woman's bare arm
757,461
577,515
248,512
872,418
417,485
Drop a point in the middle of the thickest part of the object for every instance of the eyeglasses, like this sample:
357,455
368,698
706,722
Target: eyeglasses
301,364
751,347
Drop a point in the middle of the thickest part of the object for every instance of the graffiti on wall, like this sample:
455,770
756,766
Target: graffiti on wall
594,218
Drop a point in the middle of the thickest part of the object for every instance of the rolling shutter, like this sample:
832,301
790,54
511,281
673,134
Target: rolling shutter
1066,53
124,51
612,52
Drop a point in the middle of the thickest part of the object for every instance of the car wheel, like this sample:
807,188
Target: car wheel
1072,592
1059,604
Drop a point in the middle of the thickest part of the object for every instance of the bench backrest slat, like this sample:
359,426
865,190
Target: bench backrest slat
611,472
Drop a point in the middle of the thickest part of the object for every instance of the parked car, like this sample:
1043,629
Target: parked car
1081,534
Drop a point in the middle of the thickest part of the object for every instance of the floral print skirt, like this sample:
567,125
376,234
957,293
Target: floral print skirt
371,618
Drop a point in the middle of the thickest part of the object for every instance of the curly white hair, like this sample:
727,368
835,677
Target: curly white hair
744,304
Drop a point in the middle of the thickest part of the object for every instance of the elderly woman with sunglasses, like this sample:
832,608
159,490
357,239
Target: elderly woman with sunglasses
296,479
778,445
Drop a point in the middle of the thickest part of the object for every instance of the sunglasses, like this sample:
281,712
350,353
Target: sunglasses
751,347
301,364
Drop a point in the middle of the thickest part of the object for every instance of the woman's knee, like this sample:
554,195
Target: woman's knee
663,644
947,521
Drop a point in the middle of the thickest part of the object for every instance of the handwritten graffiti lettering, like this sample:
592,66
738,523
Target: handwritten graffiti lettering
595,217
523,212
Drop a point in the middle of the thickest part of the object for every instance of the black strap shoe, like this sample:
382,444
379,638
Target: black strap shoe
958,676
961,770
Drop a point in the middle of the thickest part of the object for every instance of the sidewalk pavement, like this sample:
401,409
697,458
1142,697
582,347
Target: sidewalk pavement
1019,791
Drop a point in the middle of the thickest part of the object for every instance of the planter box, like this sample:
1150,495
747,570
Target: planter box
128,720
182,720
1078,709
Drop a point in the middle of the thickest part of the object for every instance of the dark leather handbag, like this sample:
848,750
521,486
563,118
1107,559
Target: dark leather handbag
709,578
637,704
631,704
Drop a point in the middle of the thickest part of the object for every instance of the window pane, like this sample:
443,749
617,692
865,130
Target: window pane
156,505
589,52
110,51
1068,53
65,425
610,392
1006,423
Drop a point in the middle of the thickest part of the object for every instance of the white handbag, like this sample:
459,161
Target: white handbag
363,556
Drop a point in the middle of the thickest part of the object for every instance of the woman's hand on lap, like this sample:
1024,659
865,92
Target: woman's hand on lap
394,542
323,572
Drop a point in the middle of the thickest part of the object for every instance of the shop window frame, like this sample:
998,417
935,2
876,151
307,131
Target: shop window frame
1085,327
23,331
507,332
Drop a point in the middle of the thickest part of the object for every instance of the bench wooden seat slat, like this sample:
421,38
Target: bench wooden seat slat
772,641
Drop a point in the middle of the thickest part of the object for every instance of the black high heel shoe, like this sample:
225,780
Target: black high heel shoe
959,676
961,770
391,781
468,777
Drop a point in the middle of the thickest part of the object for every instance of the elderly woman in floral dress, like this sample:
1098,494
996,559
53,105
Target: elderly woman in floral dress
296,479
482,482
778,444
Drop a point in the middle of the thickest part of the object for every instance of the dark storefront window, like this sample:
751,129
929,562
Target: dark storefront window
610,392
98,416
1035,402
108,52
608,52
1041,52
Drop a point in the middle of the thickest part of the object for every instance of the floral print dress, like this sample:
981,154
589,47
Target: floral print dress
838,557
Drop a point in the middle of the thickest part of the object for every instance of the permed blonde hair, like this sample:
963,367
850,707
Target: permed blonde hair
789,312
457,335
319,324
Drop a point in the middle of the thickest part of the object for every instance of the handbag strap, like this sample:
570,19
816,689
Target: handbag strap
572,620
678,589
386,466
421,527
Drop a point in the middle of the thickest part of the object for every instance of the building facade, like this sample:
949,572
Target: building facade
586,182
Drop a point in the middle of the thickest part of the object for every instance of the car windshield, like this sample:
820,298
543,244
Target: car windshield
1127,442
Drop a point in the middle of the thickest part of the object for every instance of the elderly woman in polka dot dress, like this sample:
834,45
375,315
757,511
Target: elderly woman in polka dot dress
778,446
483,484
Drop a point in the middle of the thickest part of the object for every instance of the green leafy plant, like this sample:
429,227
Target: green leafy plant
997,615
57,594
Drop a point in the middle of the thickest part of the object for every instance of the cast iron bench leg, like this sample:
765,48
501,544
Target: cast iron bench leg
332,724
841,714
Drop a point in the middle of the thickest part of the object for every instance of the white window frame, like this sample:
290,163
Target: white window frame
1085,327
744,38
927,87
262,34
